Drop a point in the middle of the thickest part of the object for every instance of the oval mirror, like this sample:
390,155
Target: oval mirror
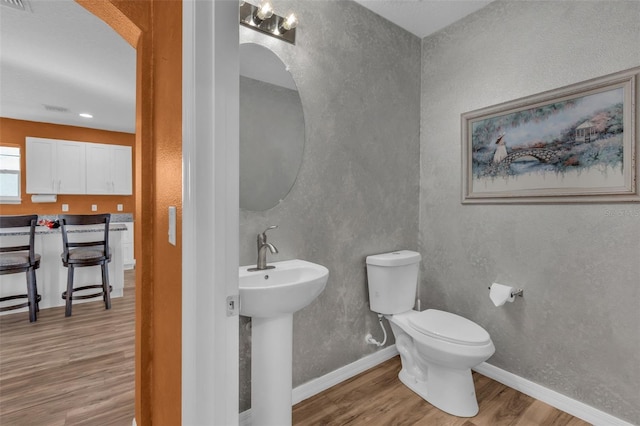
271,129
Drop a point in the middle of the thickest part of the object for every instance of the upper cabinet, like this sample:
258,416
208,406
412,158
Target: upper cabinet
55,167
68,167
122,171
41,167
109,169
71,168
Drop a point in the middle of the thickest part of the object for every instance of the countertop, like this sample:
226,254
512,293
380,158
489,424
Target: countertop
115,217
43,230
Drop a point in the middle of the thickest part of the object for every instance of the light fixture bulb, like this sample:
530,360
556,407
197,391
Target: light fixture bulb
265,11
290,22
85,115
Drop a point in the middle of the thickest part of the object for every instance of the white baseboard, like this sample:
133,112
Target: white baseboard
315,386
575,408
561,402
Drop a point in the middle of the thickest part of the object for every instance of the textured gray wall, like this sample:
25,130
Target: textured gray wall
357,191
577,330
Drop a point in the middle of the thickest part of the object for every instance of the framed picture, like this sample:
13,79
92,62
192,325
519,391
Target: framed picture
574,144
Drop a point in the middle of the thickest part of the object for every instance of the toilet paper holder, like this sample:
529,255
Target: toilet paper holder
516,292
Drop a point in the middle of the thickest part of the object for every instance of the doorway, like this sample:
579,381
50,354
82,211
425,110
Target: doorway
53,376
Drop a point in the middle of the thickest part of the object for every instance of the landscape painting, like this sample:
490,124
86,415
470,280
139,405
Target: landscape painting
572,144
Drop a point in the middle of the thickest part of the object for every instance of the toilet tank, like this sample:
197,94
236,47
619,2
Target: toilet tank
392,279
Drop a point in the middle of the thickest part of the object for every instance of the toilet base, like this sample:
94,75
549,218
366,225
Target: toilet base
450,390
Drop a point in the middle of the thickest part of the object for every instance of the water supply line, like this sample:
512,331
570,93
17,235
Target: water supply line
369,338
417,303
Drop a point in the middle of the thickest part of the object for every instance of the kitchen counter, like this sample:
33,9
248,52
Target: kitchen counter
43,230
52,275
115,217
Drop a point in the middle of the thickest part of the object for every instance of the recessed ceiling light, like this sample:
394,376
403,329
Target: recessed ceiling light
85,115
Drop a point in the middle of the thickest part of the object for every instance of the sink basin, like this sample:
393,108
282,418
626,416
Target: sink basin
287,288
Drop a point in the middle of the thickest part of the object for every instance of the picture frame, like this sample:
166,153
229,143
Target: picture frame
574,144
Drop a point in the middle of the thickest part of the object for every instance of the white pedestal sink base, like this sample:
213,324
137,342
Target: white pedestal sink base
271,370
271,297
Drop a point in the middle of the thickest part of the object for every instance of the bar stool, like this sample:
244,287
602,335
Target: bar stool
82,254
16,259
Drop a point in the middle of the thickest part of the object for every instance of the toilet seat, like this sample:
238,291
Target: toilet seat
449,327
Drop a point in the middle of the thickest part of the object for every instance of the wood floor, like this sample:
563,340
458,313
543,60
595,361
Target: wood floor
70,371
377,397
80,371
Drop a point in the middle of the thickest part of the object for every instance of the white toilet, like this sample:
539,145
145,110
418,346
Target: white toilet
437,348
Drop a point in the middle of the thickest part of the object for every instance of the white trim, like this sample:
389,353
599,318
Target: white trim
189,355
561,402
10,200
315,386
210,212
571,406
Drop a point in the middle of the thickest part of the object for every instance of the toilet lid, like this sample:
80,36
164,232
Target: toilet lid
449,327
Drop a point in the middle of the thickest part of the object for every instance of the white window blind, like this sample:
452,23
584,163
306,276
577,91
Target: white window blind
9,175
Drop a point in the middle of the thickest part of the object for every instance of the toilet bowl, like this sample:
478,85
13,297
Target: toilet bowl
437,349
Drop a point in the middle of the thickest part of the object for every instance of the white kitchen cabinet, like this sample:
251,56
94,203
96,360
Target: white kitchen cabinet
109,169
68,167
41,167
55,166
129,261
99,165
71,167
122,171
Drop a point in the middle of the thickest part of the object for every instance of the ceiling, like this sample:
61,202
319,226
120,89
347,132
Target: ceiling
423,17
57,60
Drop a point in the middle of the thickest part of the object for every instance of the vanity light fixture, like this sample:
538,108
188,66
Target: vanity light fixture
264,11
263,19
287,24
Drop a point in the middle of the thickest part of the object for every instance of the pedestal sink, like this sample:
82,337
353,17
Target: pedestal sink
270,297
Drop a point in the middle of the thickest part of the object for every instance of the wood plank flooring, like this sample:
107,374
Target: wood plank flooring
377,397
70,371
80,371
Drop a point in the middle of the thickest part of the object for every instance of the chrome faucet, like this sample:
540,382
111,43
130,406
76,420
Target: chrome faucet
263,245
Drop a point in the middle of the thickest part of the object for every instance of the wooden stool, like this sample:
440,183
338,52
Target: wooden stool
82,254
16,259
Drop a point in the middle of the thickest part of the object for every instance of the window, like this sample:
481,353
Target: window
9,175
